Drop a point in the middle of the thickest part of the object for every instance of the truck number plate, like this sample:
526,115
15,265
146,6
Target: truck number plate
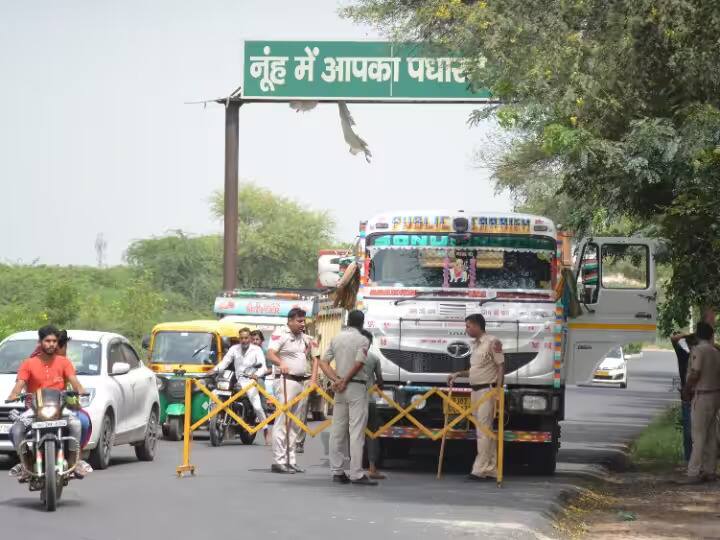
5,428
51,424
462,401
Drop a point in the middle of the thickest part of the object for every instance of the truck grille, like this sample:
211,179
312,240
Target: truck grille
432,362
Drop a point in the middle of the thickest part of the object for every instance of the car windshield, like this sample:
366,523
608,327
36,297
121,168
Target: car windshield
496,263
615,353
184,348
85,355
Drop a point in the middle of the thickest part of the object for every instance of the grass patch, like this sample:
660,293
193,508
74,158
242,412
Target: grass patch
660,446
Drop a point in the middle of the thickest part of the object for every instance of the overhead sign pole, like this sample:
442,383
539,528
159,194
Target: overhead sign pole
232,179
333,71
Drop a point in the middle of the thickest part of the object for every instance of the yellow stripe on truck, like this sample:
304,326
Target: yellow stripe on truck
611,326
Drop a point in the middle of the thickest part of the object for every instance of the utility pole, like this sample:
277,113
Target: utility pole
230,238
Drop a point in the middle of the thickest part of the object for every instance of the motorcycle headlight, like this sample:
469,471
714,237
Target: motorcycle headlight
85,401
48,412
223,385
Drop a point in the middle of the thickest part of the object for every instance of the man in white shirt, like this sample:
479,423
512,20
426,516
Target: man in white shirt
248,362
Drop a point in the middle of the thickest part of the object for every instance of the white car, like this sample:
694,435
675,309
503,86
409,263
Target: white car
612,370
123,404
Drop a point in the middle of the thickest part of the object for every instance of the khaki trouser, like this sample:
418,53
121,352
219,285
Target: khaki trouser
486,459
703,459
350,417
279,435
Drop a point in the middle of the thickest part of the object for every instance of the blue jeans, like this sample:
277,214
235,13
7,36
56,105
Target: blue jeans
687,429
86,429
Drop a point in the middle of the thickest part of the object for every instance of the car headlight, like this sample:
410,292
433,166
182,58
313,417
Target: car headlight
85,401
534,403
223,385
48,412
418,401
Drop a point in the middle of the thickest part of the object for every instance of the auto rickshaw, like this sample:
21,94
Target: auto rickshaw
180,350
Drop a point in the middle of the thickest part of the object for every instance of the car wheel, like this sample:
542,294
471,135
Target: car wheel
145,451
100,456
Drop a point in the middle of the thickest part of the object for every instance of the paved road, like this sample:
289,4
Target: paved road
234,494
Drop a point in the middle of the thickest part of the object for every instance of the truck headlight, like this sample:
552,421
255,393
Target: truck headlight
534,403
418,401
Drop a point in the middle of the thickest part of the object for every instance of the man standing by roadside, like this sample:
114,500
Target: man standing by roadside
373,372
288,351
703,384
349,350
683,358
487,371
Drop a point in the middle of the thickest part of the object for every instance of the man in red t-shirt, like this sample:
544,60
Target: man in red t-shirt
47,370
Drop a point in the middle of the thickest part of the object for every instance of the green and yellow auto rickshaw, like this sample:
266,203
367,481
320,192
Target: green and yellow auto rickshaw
179,350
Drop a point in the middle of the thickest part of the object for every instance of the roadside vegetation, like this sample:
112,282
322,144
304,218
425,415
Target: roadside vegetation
169,278
659,446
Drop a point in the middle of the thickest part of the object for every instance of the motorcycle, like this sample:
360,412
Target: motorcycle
46,439
223,424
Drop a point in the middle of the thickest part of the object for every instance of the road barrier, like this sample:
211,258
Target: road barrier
455,411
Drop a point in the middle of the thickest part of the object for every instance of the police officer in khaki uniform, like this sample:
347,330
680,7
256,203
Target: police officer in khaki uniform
349,351
703,384
487,371
288,351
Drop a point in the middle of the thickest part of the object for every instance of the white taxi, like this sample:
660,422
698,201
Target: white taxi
123,404
612,370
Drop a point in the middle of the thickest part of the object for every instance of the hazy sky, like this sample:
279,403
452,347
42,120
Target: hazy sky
95,135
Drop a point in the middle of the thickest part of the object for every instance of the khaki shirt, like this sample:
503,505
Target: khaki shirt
294,350
705,359
486,360
347,348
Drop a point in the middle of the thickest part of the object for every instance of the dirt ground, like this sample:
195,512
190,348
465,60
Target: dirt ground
639,506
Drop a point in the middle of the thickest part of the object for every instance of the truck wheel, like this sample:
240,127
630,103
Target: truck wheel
542,459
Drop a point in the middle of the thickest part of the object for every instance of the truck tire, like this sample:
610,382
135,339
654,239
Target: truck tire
542,459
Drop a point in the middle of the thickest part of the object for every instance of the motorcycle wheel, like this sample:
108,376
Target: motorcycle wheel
175,428
50,491
217,431
245,437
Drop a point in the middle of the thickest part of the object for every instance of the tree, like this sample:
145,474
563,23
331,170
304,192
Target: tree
187,265
279,240
616,104
62,303
139,308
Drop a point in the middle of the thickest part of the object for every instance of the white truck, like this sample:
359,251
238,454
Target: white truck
422,272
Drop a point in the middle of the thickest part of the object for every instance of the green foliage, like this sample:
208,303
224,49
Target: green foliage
660,444
278,239
614,108
62,303
139,307
188,266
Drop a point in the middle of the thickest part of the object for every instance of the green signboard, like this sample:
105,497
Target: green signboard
354,71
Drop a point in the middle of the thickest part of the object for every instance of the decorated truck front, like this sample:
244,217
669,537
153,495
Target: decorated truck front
422,273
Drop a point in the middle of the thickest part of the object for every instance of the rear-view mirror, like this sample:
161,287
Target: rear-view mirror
120,368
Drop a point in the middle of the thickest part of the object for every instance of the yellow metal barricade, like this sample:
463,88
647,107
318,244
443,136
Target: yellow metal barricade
460,414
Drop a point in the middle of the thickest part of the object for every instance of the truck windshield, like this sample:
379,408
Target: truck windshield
184,348
484,262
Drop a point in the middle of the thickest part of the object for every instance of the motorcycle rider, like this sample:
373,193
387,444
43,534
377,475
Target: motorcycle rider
47,370
249,364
